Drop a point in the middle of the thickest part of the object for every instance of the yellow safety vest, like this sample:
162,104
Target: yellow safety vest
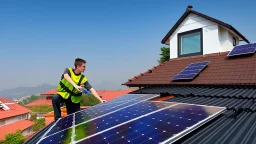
66,89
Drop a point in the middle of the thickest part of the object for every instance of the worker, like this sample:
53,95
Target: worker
70,88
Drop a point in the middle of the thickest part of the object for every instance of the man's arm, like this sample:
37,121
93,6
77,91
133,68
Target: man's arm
95,94
68,78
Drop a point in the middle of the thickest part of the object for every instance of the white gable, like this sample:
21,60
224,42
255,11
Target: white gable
214,37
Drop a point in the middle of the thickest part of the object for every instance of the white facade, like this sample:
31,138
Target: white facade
13,119
27,131
215,37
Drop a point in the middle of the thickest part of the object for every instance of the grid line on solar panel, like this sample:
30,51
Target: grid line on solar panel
94,113
108,122
243,49
191,71
163,126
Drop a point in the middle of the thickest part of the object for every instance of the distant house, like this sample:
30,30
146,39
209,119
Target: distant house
14,117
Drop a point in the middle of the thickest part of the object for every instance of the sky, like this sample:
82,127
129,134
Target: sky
118,38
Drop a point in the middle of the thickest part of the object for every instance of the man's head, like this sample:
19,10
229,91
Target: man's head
80,65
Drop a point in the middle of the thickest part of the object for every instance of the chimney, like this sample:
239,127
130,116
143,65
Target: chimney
189,7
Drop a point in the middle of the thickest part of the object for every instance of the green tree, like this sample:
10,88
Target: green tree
165,54
39,123
89,100
14,138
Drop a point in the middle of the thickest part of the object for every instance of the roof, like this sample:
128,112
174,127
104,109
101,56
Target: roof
41,101
112,94
188,11
221,70
50,92
15,109
12,128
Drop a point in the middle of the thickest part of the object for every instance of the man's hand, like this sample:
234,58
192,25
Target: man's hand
102,101
79,88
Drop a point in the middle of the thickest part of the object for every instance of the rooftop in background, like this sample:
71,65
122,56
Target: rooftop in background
106,94
15,109
41,101
12,128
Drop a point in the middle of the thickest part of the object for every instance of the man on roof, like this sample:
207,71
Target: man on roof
70,89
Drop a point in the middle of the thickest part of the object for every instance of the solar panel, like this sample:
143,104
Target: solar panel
243,49
191,71
103,123
98,111
165,126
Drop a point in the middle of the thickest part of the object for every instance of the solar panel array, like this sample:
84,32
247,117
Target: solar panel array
243,49
129,120
191,71
98,110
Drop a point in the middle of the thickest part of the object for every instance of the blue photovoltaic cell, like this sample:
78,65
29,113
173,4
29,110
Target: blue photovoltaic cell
62,124
191,71
62,137
91,113
113,119
162,126
243,49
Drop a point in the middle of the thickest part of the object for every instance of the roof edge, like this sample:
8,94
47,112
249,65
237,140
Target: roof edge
188,11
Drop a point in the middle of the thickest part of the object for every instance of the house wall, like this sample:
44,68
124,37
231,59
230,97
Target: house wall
27,131
226,40
215,39
15,119
2,123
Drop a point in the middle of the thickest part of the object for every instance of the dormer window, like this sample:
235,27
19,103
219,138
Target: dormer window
190,43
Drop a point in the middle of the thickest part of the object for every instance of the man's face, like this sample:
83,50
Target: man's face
81,68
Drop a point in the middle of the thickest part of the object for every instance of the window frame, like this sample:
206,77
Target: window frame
179,35
234,41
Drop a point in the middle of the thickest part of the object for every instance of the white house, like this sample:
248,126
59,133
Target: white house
198,34
14,117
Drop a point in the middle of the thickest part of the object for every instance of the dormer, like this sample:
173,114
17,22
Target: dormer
198,34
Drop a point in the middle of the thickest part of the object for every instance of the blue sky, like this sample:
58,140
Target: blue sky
39,39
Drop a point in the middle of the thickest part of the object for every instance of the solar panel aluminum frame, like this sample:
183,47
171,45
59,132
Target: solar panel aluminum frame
73,125
194,127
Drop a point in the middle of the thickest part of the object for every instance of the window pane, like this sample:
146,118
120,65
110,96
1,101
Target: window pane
190,43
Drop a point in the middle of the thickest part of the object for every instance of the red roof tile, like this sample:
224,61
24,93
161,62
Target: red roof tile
112,94
221,70
50,92
12,128
15,109
41,101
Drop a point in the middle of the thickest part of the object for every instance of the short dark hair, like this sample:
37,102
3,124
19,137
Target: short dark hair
79,62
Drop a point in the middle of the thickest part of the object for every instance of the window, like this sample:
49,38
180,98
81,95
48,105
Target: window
234,41
190,43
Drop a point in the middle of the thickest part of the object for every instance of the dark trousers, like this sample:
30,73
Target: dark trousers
70,106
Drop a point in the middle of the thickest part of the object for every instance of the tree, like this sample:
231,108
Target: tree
89,100
165,54
39,123
15,138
